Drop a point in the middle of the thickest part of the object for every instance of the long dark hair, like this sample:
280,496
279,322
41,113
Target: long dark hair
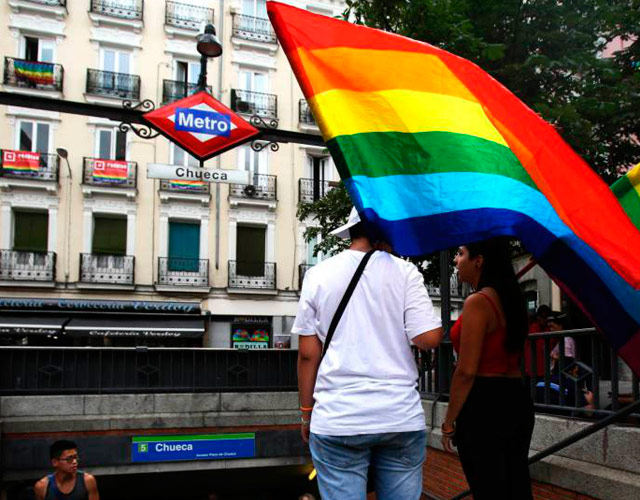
497,273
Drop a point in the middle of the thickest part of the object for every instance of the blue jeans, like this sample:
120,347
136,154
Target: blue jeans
342,463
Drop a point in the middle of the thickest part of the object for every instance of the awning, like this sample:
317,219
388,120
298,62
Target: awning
136,327
32,325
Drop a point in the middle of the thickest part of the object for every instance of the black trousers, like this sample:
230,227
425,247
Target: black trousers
493,434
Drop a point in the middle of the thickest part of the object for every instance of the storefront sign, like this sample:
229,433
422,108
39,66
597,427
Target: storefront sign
21,330
198,447
179,173
110,171
130,333
99,305
251,345
18,162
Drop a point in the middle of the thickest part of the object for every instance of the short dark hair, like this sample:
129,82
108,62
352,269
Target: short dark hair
357,231
543,310
60,446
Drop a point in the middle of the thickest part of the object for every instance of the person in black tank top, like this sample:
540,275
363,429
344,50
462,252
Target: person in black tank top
66,482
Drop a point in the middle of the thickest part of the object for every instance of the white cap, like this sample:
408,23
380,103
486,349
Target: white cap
343,231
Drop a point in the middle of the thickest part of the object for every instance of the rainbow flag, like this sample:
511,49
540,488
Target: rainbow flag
110,171
36,72
436,153
627,190
20,162
186,184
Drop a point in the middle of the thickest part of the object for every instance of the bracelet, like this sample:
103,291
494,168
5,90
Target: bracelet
305,422
306,408
450,432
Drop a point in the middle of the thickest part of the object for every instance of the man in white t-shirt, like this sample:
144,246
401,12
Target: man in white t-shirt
360,405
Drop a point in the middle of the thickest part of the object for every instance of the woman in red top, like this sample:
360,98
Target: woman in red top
490,415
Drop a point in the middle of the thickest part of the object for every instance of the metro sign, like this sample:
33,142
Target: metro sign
201,125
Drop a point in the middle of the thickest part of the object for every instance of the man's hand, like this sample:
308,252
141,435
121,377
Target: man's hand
304,431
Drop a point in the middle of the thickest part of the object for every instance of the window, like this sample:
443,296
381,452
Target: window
109,235
36,49
187,71
181,157
250,250
30,231
252,161
111,144
34,136
311,245
255,8
253,81
184,246
320,171
116,61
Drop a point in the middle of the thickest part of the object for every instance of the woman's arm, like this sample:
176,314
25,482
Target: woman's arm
309,357
477,316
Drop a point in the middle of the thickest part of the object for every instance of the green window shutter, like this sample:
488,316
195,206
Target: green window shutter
30,231
109,235
184,246
250,250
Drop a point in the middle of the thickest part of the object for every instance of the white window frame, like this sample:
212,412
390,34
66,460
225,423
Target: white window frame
187,161
254,10
117,52
192,64
35,124
41,41
112,148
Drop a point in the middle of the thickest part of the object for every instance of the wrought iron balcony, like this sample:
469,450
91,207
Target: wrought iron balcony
108,83
107,269
304,113
252,275
18,265
190,17
310,190
254,103
183,187
124,9
264,187
29,165
54,3
302,270
98,172
175,271
33,74
172,90
257,29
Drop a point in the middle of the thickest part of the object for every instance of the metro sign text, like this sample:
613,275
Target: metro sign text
203,122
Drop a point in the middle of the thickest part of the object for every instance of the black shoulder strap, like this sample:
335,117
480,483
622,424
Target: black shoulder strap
345,300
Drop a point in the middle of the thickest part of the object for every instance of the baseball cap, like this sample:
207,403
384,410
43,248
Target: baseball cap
343,231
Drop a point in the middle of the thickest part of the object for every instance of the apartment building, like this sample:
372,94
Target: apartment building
94,253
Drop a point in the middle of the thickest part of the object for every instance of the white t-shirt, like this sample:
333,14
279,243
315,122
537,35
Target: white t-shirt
367,381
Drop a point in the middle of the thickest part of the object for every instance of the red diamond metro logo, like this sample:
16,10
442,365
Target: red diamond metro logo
201,125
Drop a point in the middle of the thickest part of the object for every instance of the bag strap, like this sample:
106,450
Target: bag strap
345,300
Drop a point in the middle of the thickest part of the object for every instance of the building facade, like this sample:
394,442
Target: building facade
90,227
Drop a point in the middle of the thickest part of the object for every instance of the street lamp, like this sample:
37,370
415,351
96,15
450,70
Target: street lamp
208,46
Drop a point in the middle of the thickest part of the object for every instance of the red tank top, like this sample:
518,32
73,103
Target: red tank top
495,359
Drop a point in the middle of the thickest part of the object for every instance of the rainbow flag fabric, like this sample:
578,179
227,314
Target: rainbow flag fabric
627,190
110,171
186,184
20,162
435,153
36,72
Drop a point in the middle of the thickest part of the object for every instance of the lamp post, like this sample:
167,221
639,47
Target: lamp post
208,46
64,154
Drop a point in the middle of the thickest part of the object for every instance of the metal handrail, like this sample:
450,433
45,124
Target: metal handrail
113,8
187,16
89,174
109,83
33,74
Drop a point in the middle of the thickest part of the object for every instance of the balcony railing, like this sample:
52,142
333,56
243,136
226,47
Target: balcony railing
455,287
97,172
264,187
556,382
304,113
55,3
183,187
257,29
124,9
29,165
190,17
173,271
172,90
33,74
254,103
252,275
107,269
17,265
310,190
302,270
108,83
117,370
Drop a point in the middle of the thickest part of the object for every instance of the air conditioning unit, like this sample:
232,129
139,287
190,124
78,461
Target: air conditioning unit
250,190
244,106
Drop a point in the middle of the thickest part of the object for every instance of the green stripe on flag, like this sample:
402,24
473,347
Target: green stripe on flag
628,198
379,154
197,437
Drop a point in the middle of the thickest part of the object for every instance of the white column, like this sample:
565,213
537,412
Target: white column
131,233
271,242
233,236
87,231
53,230
204,238
163,234
5,237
